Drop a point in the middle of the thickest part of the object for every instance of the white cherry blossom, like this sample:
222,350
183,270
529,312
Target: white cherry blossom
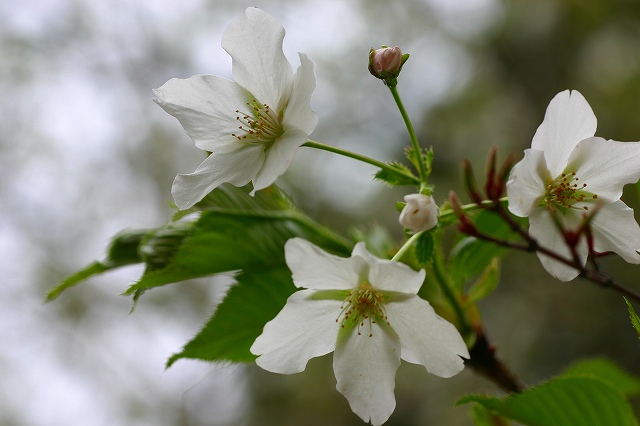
252,126
566,173
365,309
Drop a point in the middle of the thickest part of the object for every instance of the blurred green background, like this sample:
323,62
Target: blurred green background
84,153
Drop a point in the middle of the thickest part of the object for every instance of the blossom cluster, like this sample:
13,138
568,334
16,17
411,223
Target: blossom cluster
363,308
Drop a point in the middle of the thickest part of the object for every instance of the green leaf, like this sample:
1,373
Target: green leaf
93,269
425,247
486,283
471,256
603,369
635,321
239,319
564,401
228,230
401,178
122,251
223,242
228,196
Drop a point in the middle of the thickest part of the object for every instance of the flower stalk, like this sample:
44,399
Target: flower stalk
422,167
386,167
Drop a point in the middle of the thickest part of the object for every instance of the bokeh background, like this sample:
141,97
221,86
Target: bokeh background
84,153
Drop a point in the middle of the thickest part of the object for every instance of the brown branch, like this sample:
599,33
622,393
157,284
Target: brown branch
531,244
484,361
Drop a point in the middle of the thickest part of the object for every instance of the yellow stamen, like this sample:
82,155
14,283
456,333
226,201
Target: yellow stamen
364,305
259,126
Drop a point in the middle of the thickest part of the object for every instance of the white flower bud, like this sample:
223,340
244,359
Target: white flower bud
420,214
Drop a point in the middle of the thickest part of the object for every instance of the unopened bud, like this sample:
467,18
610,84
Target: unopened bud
465,226
420,214
386,63
470,181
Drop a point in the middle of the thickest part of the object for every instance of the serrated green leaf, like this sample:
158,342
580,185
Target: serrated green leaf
635,321
223,242
471,256
123,250
228,230
425,247
601,368
239,319
564,401
486,283
401,178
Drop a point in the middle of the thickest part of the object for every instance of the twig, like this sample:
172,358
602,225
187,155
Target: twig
484,361
531,244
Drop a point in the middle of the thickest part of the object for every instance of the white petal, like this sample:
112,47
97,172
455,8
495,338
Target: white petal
615,229
568,120
426,338
254,41
365,369
390,276
543,229
606,166
314,268
205,105
237,168
305,328
526,184
298,113
279,157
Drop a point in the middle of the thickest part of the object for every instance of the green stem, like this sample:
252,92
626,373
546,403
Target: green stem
406,246
470,207
364,159
445,285
422,168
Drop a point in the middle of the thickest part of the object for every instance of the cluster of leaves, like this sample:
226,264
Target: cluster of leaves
227,232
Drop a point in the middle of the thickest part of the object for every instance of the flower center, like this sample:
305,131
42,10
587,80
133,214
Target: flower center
363,306
566,191
259,126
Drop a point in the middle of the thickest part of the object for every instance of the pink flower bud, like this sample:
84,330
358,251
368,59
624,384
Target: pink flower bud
386,63
420,214
387,59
